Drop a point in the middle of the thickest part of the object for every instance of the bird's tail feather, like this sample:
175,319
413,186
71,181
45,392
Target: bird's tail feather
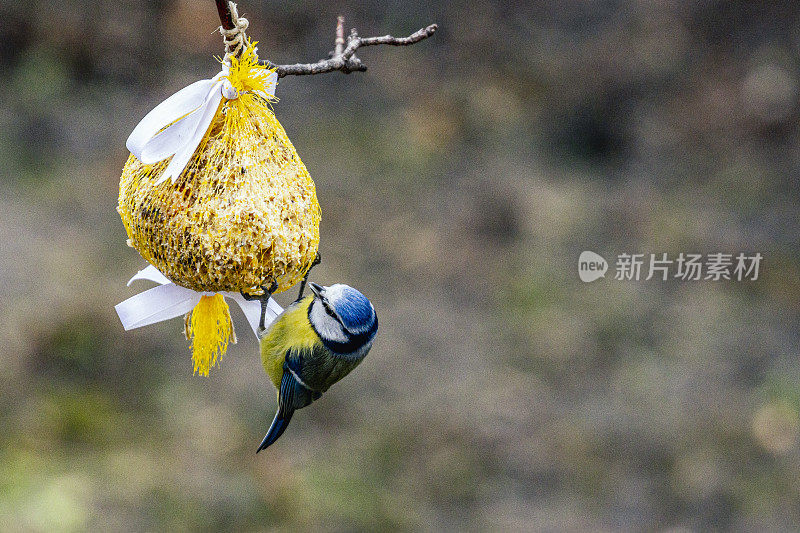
292,395
279,424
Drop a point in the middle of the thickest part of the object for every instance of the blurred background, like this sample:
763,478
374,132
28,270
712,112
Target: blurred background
459,180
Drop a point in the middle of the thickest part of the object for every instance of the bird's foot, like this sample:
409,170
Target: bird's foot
264,300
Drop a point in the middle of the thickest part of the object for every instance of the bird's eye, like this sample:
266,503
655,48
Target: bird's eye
329,310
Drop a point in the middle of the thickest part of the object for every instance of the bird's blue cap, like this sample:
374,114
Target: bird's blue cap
353,308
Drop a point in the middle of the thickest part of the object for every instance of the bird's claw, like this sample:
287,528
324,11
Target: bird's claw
249,297
265,295
264,300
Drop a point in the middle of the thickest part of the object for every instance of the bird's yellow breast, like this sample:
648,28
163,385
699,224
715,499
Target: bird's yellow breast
291,329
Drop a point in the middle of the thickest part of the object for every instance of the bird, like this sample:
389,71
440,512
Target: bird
313,344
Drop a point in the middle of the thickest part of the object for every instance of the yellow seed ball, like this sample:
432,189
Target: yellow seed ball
243,213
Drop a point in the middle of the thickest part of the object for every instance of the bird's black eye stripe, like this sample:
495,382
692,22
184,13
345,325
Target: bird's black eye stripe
329,310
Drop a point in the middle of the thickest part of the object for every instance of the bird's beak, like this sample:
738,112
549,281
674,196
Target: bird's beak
316,288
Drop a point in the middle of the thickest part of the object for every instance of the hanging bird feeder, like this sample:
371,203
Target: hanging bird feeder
215,196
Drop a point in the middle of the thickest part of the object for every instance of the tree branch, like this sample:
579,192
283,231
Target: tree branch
225,16
344,58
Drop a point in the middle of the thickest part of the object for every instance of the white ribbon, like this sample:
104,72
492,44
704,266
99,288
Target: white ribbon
169,301
188,113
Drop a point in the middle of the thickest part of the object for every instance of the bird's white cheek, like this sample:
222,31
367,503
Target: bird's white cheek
327,327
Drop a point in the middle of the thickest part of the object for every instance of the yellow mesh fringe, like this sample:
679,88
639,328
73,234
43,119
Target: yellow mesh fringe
210,328
243,213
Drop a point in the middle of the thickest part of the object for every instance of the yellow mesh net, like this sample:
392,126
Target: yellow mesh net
244,211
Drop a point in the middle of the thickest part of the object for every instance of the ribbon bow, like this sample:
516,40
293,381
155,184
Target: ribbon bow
169,301
184,118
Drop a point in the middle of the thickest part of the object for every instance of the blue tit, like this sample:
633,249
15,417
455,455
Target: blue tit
313,344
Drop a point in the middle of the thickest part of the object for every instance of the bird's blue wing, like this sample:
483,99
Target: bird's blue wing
293,395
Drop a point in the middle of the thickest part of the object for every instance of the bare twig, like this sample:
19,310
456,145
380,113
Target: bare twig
339,48
344,58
